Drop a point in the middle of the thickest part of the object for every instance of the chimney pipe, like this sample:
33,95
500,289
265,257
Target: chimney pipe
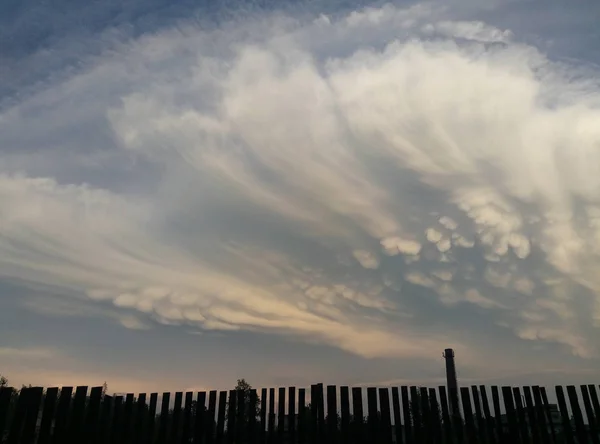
451,381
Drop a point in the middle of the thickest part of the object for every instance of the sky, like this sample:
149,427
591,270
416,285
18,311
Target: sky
302,192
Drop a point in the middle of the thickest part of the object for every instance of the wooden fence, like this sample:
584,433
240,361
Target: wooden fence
407,415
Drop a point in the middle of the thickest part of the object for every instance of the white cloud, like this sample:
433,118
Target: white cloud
366,259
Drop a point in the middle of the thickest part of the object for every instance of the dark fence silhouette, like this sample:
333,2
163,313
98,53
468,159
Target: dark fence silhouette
407,415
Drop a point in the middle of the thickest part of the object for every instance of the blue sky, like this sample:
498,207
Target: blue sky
296,193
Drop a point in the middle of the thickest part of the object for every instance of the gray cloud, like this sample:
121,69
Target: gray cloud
263,181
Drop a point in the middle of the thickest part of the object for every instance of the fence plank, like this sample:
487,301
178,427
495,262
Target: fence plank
117,425
151,433
332,416
415,410
302,415
408,429
448,439
457,421
271,427
468,414
587,404
534,422
18,419
509,406
231,417
562,405
520,412
139,419
105,420
221,417
263,415
425,414
252,417
372,421
200,418
489,421
241,420
47,415
547,413
62,415
163,427
385,433
321,414
31,417
576,410
436,420
78,414
211,430
292,414
397,415
540,413
498,415
126,424
186,431
595,402
481,427
6,394
91,416
280,415
175,416
345,410
357,425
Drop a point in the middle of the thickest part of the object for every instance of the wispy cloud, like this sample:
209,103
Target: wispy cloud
289,177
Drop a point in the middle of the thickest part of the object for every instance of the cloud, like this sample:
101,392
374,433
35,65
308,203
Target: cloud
265,176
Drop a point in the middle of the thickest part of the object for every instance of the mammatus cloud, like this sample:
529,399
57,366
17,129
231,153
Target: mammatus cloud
309,192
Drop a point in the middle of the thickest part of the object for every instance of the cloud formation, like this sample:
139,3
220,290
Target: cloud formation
283,176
